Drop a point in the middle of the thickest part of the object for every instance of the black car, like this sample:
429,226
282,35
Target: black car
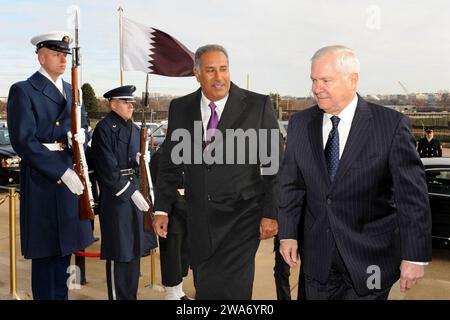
437,171
157,131
9,160
283,128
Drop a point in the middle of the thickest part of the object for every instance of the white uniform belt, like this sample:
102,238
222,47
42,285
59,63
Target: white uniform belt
127,172
56,146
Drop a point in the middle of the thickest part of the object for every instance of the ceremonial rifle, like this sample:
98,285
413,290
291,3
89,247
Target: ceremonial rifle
146,184
85,200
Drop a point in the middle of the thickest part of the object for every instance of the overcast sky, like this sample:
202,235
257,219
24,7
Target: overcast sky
407,41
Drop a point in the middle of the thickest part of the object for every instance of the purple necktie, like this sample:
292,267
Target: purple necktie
212,123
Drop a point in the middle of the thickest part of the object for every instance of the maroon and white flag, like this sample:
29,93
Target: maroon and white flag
153,51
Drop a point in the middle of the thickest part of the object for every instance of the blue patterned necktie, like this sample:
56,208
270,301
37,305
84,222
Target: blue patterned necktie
332,148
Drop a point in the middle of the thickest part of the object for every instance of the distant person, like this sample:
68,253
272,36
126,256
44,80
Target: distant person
429,147
352,167
39,121
115,152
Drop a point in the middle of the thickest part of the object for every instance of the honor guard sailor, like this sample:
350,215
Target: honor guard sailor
115,151
39,121
429,146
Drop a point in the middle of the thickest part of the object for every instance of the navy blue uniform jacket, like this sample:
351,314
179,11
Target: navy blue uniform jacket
49,222
121,222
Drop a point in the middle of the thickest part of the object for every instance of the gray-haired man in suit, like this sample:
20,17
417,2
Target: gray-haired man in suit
352,166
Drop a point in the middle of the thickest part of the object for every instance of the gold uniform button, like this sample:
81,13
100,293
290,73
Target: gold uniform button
57,123
59,181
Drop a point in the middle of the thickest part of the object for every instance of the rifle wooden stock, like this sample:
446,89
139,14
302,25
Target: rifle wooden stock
85,200
144,180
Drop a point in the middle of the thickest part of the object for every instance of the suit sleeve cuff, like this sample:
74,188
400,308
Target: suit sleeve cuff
418,263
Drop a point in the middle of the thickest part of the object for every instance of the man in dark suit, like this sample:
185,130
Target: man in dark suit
115,152
39,121
352,166
231,201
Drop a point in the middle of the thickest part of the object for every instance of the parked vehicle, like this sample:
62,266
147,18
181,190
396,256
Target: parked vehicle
283,128
157,130
437,171
9,160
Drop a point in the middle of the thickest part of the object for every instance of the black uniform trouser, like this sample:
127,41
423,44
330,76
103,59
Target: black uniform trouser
49,278
122,279
339,285
174,255
281,273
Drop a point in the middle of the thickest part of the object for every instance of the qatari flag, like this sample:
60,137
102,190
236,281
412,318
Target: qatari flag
153,51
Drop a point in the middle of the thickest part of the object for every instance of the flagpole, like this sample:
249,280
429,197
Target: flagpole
121,43
248,81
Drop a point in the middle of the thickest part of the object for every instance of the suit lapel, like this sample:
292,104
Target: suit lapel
41,83
233,108
68,93
53,94
316,141
197,114
196,118
357,138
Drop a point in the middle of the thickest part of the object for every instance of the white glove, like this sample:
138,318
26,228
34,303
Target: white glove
139,201
146,157
80,137
72,181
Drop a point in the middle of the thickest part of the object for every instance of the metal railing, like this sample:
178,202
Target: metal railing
13,195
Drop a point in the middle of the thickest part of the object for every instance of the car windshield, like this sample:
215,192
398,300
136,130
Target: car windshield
158,133
4,137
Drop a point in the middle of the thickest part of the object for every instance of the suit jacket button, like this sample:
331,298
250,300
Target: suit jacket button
57,123
209,197
59,181
329,201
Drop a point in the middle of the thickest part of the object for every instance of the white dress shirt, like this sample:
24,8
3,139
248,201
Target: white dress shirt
345,123
58,83
206,114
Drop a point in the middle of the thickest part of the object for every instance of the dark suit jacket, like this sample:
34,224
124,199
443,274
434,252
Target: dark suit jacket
218,195
49,222
376,209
